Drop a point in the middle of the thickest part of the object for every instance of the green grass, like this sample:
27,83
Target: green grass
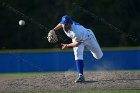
2,75
88,91
24,74
42,73
97,91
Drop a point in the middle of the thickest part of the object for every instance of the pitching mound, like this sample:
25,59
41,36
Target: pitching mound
65,81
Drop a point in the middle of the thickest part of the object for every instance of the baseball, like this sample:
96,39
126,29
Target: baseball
21,22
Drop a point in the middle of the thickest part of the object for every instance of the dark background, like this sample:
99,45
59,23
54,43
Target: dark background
96,15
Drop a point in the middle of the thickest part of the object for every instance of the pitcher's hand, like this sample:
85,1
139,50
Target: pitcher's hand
64,46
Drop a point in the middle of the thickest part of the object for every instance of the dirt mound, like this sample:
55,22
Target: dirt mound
65,81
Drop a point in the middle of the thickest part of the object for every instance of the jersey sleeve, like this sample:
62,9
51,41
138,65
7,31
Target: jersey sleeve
75,39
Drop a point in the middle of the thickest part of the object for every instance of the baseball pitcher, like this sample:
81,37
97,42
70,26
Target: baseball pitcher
81,38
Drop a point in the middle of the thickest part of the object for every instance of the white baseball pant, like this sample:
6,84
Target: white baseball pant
91,44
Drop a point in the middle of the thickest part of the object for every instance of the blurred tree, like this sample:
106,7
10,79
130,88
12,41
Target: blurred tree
123,14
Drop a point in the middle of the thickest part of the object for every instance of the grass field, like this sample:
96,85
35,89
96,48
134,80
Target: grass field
5,75
86,91
99,91
41,73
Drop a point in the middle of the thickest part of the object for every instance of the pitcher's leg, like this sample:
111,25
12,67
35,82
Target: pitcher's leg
97,53
94,47
80,66
78,53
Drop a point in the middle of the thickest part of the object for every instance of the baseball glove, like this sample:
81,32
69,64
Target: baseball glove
52,37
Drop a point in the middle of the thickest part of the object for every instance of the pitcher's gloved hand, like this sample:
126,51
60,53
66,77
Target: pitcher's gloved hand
52,37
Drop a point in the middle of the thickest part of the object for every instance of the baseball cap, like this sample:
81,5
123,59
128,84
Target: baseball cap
66,20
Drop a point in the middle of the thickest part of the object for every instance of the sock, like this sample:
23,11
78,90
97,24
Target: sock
80,66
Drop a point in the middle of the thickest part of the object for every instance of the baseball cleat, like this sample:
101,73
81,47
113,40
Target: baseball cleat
80,79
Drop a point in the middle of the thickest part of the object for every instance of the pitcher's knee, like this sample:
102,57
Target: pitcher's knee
78,57
99,56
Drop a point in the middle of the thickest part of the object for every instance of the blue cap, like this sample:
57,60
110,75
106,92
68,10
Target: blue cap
66,20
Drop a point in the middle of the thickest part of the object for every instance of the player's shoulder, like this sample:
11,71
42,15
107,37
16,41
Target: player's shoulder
78,26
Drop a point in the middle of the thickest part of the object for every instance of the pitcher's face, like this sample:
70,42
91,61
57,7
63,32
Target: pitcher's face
66,27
